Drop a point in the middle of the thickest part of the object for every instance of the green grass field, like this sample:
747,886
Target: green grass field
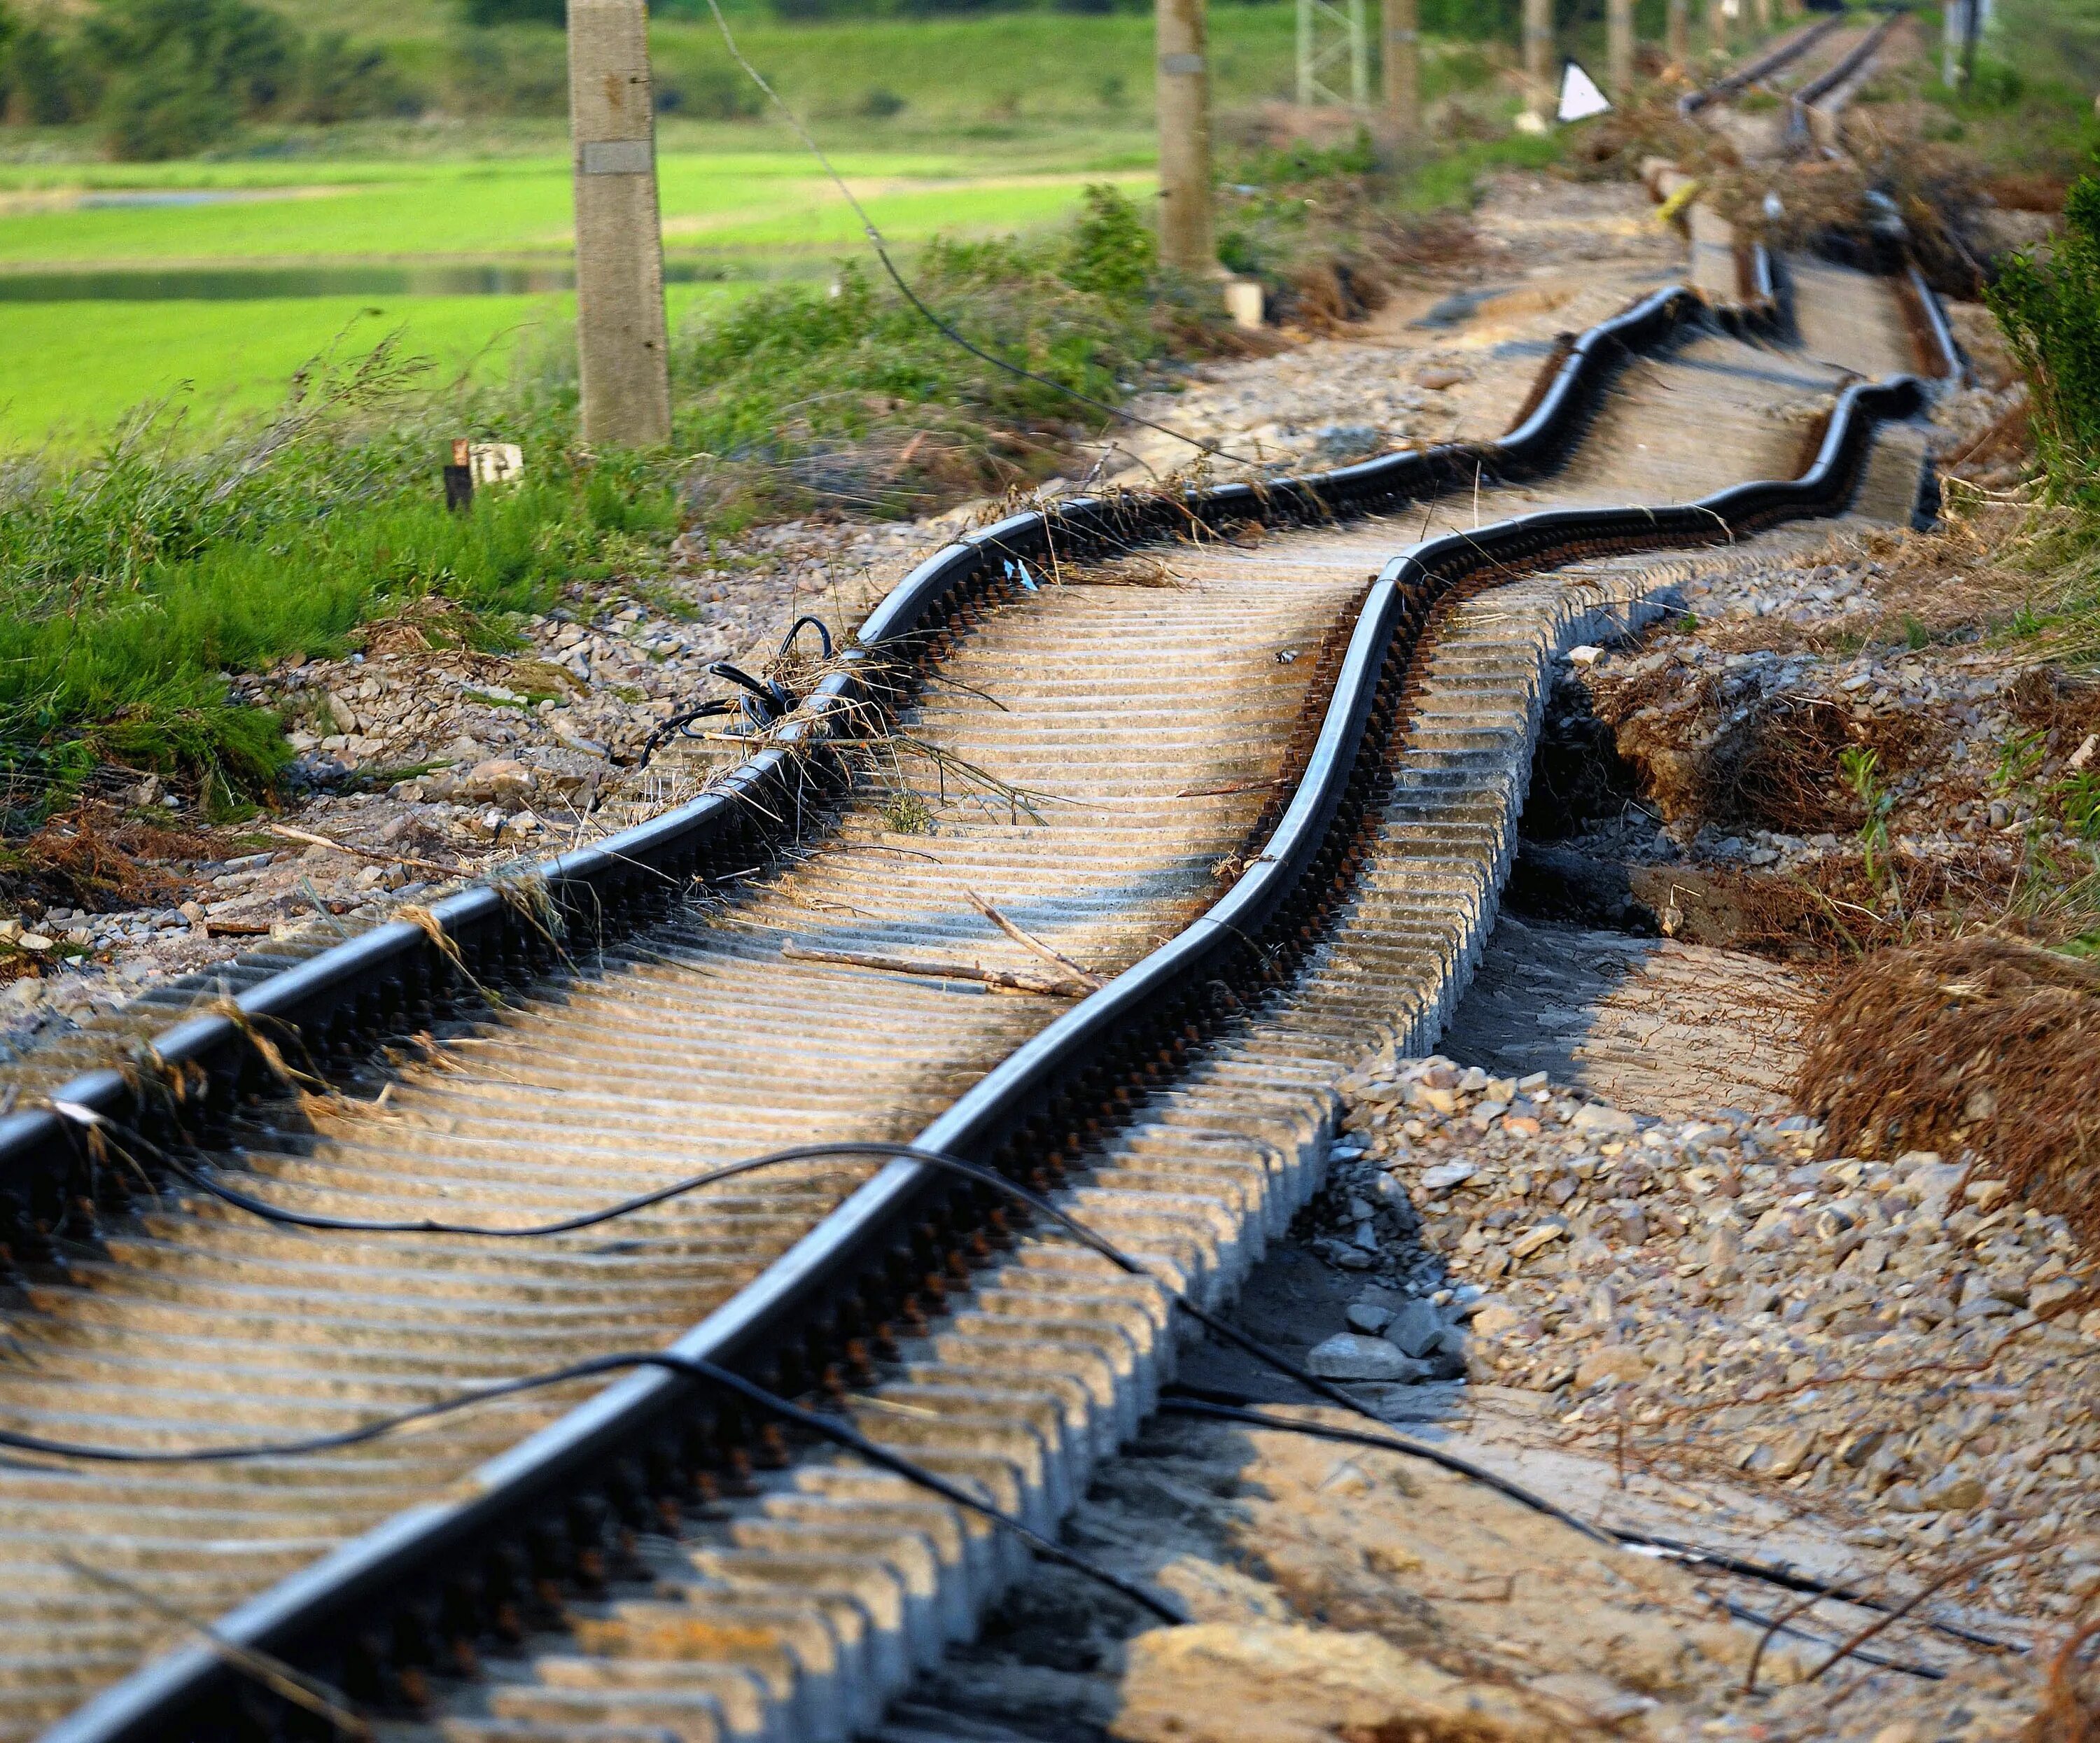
63,381
985,125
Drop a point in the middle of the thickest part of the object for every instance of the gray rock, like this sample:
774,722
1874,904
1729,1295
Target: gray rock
1347,1356
1446,1354
1368,1318
1415,1328
1594,1119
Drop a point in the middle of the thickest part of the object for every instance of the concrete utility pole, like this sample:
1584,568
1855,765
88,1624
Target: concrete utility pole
1619,47
1676,40
621,344
1717,25
1186,238
1538,57
1403,66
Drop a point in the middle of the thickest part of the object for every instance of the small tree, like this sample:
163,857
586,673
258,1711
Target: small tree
2049,304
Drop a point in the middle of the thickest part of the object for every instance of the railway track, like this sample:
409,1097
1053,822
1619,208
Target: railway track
1251,758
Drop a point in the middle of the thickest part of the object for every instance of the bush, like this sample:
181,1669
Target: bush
481,13
708,93
182,74
2049,304
339,82
509,72
42,88
851,396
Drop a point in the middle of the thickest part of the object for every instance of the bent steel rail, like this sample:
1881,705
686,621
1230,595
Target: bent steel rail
363,1614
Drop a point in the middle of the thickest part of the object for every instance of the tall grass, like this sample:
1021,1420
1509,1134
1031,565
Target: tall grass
133,584
2049,305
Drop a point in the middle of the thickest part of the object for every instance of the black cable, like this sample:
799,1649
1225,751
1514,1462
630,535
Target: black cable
1744,1613
1792,1579
765,699
968,1171
838,1433
1200,1400
1182,1405
1180,1400
876,242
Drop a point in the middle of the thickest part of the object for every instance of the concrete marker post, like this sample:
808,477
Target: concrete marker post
622,345
1677,42
1619,48
1403,65
1539,68
1187,238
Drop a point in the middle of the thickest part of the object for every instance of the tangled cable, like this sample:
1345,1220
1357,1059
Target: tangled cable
1191,1401
764,701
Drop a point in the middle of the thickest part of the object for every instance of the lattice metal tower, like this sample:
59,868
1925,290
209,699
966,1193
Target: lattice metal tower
1331,44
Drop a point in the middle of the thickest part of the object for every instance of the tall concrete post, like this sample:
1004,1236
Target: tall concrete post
1717,26
1676,41
1762,11
1619,47
1954,39
1403,66
1539,68
621,344
1186,238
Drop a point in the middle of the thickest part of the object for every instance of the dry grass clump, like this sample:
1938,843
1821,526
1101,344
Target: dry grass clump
1612,147
1773,765
2069,1709
95,856
1981,1043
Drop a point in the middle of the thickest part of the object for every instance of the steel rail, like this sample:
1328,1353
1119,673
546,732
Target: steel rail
1779,54
1811,95
184,1086
876,1246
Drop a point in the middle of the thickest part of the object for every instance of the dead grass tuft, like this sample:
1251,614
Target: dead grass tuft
1982,1043
96,857
2061,706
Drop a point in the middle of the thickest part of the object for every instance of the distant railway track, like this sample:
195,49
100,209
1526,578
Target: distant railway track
1249,756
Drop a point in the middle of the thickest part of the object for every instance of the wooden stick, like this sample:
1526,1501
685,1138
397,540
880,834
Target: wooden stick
1028,942
999,978
316,1696
311,840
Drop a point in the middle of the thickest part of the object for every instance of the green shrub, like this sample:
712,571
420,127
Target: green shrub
850,395
480,13
2049,304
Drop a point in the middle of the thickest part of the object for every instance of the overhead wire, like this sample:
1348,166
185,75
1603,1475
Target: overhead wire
881,247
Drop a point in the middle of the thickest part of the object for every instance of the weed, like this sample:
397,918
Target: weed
905,814
2078,803
1917,637
2050,309
1859,769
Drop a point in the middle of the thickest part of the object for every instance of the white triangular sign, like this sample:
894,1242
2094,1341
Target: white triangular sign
1580,99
